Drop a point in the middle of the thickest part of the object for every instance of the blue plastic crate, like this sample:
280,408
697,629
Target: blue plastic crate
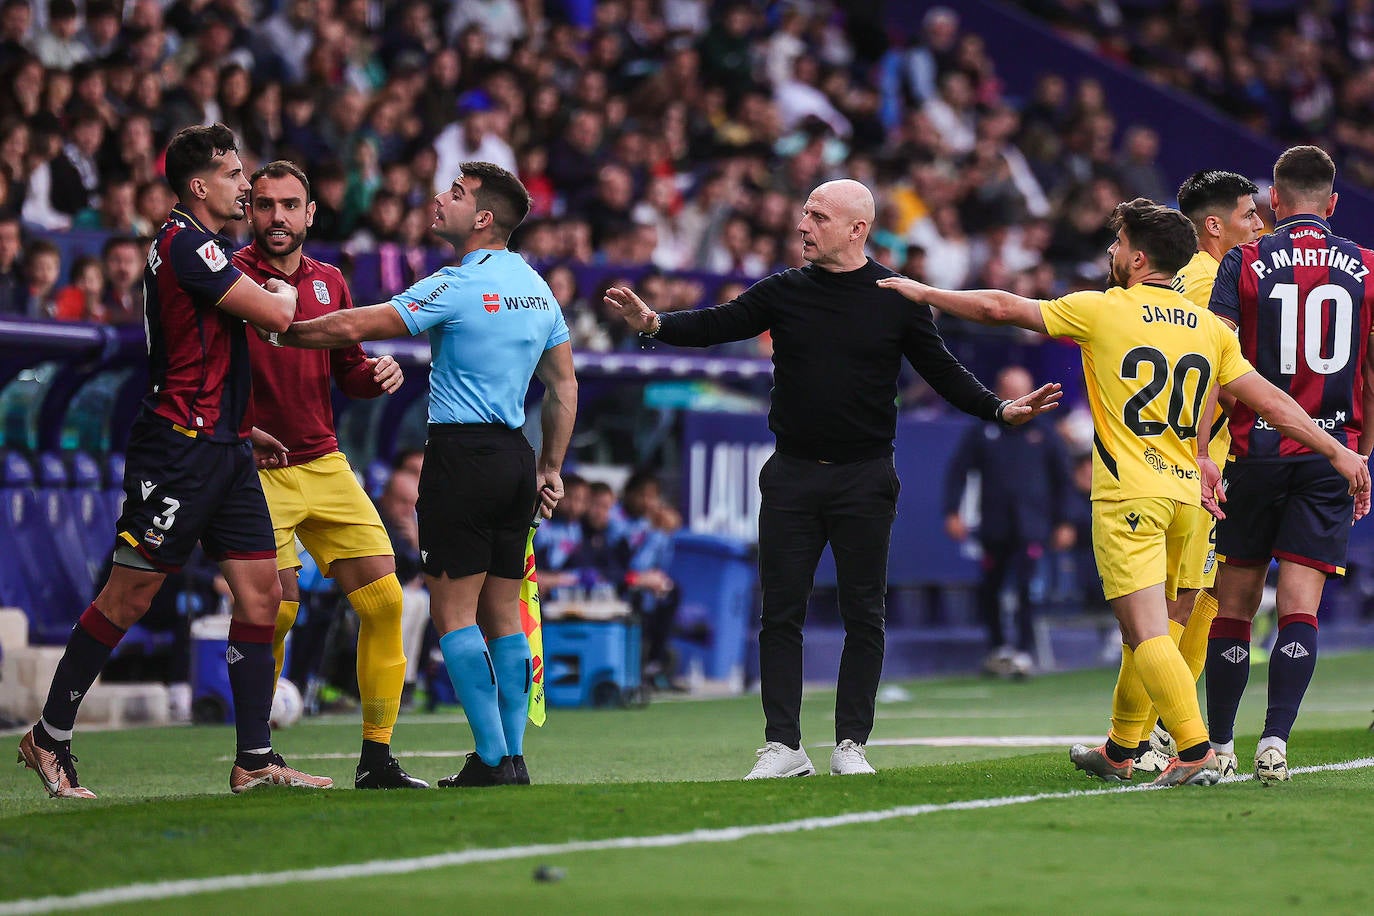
718,580
591,663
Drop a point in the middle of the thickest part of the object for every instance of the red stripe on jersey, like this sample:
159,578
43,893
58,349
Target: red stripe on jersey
1242,417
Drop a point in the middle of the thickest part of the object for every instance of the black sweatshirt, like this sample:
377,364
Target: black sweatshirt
838,343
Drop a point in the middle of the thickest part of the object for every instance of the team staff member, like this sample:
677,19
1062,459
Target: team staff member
189,471
1221,207
838,344
314,493
493,325
1303,308
1150,357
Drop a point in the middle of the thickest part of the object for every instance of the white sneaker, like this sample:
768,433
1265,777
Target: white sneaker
777,760
1162,741
850,759
1271,766
1151,761
1227,763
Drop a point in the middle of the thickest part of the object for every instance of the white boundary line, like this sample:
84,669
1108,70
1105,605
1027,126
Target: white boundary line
165,890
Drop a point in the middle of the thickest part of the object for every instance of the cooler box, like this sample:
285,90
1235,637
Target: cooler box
211,699
718,581
592,662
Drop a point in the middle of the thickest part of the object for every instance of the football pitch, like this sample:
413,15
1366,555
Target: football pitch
975,808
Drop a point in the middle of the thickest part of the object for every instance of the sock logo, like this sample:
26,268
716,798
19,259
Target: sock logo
1133,519
1236,654
233,655
424,556
1295,649
74,695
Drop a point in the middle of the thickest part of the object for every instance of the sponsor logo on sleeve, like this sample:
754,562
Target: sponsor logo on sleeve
213,256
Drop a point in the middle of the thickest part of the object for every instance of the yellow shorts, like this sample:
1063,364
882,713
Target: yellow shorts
322,503
1198,566
1139,543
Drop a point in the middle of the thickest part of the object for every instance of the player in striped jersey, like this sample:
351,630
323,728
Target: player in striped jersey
1221,206
1302,304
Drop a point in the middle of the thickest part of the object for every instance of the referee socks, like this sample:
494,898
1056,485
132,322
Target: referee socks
510,657
474,680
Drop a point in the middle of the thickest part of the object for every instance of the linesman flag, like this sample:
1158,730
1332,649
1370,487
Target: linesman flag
530,622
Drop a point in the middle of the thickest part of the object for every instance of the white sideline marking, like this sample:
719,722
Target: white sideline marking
164,890
986,741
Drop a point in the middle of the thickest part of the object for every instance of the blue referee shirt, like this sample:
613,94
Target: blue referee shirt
489,319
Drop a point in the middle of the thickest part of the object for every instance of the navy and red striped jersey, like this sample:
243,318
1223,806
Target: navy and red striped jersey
292,399
1302,304
197,353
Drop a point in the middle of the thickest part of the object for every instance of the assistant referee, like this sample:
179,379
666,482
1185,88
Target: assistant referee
493,325
838,343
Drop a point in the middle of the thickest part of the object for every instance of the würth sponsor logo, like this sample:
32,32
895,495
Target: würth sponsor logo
491,302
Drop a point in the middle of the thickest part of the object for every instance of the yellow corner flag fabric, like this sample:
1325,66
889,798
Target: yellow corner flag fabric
530,621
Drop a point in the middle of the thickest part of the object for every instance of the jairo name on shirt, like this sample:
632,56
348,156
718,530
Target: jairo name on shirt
1153,313
1332,257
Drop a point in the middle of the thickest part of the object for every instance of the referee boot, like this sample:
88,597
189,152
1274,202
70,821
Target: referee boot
476,774
388,776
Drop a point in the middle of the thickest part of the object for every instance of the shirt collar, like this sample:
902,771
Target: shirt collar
259,261
178,212
1302,219
479,254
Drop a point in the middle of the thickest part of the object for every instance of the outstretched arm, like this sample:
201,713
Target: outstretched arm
985,306
344,327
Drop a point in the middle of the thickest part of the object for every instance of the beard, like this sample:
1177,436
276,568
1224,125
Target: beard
279,248
1113,277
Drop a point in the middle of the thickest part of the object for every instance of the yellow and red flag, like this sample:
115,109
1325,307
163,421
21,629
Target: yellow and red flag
530,622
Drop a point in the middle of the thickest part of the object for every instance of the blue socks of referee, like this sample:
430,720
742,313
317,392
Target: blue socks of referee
1290,671
510,657
473,676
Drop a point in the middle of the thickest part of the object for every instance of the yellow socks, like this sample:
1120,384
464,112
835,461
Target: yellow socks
286,619
381,657
1193,645
1130,703
1171,687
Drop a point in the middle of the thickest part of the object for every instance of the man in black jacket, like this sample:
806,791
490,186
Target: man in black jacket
838,343
1023,489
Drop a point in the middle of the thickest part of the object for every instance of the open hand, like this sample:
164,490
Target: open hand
912,289
1029,406
625,303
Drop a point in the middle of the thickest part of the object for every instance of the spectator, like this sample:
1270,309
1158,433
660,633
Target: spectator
43,263
116,211
101,34
14,294
121,296
80,299
15,20
645,541
470,138
558,540
58,47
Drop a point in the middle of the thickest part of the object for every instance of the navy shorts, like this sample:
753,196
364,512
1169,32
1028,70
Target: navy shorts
179,490
1296,509
477,499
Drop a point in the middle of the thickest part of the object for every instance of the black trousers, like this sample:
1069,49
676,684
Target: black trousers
1003,560
807,504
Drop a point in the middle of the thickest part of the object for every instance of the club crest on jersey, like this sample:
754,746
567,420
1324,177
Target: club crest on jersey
321,292
152,538
491,302
213,257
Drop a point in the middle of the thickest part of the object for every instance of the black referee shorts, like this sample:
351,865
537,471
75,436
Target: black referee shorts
1296,509
477,498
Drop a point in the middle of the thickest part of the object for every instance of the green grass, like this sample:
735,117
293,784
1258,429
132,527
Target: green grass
165,814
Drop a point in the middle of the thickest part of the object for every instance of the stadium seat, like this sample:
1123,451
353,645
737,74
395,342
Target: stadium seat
114,483
16,494
718,580
86,536
32,516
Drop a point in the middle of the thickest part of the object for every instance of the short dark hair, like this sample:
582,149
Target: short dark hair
598,488
193,150
117,241
501,193
42,246
1167,237
1304,172
281,168
1212,192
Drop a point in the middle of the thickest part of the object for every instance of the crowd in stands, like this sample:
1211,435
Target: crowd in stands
681,135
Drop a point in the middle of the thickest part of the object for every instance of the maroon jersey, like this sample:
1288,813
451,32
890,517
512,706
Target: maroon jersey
291,396
197,353
1302,303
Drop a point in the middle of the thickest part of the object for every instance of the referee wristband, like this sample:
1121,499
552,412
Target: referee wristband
1001,408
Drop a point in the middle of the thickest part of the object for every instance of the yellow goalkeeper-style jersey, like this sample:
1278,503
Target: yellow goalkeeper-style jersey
1149,359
